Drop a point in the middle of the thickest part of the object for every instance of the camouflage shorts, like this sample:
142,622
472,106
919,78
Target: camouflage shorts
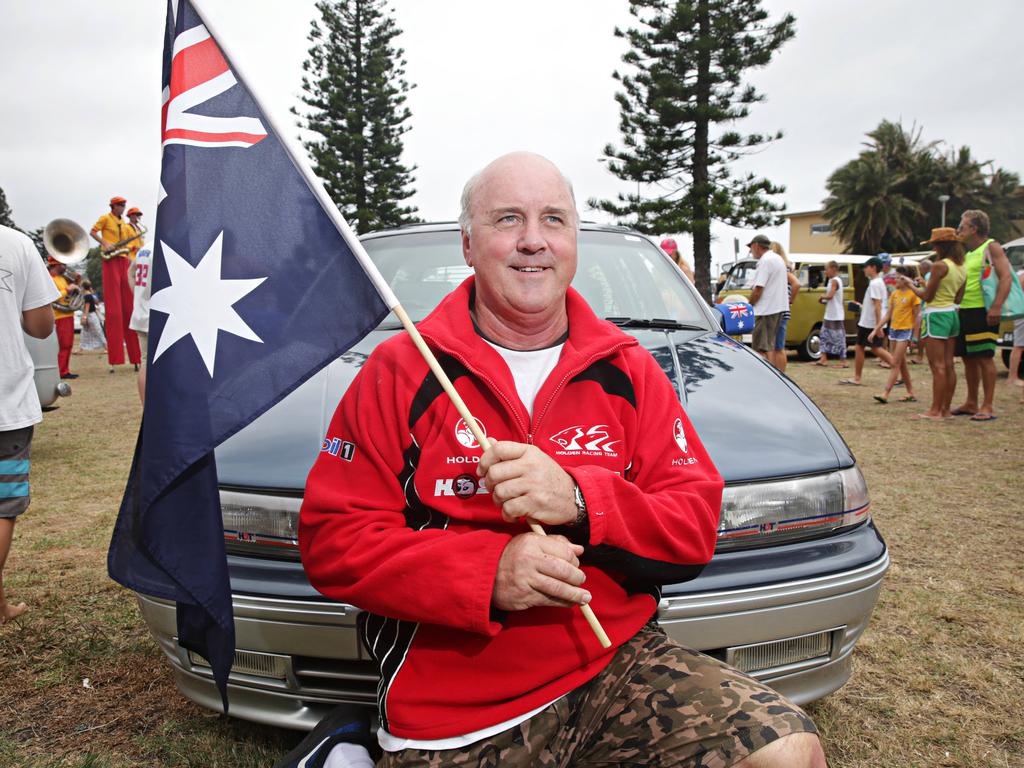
656,704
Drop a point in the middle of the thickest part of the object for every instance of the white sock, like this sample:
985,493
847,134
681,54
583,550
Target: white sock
349,756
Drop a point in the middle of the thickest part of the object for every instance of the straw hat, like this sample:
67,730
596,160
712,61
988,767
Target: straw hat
941,235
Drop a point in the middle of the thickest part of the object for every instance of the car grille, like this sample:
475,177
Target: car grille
354,681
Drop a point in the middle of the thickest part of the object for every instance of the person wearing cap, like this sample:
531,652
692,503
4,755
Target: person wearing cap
979,326
135,222
769,299
668,245
64,318
109,229
872,309
940,323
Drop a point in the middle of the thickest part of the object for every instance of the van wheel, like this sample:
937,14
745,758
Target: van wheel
810,349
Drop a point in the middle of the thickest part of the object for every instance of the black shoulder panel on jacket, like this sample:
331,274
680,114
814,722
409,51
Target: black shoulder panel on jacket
639,570
430,389
612,380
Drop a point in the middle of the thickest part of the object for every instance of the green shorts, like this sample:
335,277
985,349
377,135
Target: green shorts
940,325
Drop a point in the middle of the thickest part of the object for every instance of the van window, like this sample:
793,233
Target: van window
741,277
1016,256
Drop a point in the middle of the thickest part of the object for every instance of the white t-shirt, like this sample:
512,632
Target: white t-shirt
24,284
835,309
876,290
143,276
771,276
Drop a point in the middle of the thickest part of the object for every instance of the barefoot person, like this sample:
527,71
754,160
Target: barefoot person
902,318
940,322
485,658
833,326
24,306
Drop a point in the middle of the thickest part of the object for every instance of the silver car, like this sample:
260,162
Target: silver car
798,565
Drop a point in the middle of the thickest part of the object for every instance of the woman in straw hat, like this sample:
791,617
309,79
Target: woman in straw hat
940,324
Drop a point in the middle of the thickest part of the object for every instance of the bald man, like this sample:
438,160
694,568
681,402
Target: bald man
474,620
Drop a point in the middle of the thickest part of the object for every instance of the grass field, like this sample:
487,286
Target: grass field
938,677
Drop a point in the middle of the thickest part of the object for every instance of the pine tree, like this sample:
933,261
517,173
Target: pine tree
688,59
6,214
355,91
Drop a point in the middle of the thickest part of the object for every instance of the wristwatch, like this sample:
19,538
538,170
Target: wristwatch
581,505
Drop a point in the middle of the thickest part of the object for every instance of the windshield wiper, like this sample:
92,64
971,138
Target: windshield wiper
654,322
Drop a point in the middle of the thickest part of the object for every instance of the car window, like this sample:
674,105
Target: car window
620,275
1016,256
741,277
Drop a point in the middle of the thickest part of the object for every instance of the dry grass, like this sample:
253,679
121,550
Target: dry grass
938,680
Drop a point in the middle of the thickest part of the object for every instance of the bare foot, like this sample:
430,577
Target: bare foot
10,612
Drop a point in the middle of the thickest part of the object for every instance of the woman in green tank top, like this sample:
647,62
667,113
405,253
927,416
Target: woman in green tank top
939,323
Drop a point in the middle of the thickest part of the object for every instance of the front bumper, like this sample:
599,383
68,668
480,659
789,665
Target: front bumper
298,659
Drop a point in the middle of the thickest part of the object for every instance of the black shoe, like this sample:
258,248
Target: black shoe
348,723
136,367
69,375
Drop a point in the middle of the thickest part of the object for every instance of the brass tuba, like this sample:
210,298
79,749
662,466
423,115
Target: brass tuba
66,242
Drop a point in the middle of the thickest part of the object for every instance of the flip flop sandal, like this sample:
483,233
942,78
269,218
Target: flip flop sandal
961,412
984,417
850,383
881,399
908,399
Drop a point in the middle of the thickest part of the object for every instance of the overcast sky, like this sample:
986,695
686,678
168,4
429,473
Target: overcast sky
81,91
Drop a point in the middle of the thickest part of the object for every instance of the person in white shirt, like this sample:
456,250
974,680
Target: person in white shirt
769,299
139,277
833,327
26,292
871,310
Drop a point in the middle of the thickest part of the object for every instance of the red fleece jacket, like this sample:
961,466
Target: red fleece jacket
396,522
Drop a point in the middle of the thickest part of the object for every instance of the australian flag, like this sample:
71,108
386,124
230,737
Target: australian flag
254,289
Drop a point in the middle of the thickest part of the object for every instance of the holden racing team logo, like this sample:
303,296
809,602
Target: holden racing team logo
679,434
465,435
591,441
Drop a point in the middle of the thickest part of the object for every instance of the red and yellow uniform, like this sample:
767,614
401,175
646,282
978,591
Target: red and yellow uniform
64,323
117,293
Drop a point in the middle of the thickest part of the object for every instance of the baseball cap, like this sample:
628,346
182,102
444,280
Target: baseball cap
133,211
760,240
117,200
668,245
875,262
885,258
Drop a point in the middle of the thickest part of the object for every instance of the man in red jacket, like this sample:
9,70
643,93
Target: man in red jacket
472,618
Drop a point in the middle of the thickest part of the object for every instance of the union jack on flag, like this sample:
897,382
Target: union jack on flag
195,72
739,310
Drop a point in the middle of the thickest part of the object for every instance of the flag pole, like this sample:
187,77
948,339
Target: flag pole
387,295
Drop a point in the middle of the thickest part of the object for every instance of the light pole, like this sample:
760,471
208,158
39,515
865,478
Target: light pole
943,199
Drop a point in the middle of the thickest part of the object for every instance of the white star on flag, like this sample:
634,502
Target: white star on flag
199,303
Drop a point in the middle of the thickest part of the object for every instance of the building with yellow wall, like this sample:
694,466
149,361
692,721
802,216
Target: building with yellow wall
810,232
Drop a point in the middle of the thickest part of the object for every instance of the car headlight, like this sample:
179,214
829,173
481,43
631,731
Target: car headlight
773,512
261,524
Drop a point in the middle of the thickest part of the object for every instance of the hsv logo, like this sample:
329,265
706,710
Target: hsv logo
464,486
465,435
338,447
592,441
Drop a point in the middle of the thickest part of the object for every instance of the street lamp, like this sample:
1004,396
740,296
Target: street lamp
943,199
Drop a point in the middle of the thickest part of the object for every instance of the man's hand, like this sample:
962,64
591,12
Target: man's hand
994,316
526,482
539,570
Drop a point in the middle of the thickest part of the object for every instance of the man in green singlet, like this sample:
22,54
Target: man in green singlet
979,327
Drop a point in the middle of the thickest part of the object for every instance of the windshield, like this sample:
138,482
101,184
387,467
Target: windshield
620,275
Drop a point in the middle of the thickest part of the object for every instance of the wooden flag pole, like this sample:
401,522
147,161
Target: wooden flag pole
460,406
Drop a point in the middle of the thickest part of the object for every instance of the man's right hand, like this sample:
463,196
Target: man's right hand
539,570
